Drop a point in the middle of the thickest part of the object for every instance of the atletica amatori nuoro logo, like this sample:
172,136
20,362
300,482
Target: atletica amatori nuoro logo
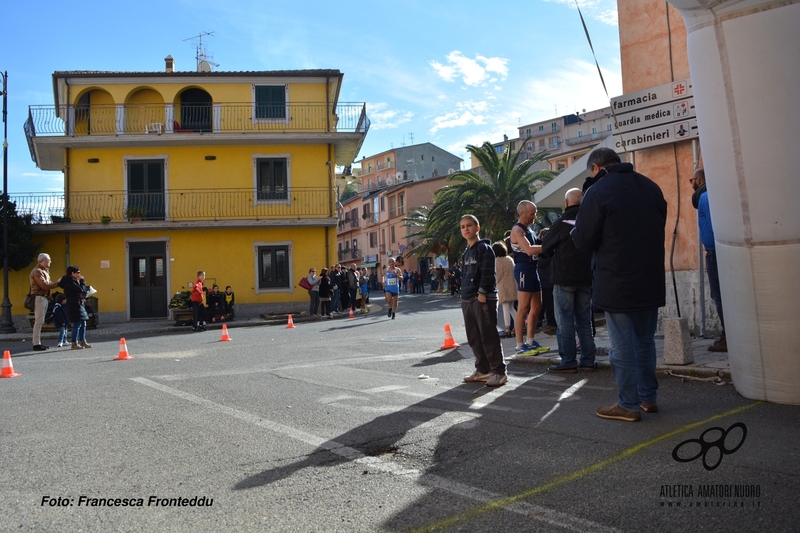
706,446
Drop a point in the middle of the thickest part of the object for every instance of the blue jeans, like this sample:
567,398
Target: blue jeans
335,301
713,285
633,356
573,306
79,331
62,334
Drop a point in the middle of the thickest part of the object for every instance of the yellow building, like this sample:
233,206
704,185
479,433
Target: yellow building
167,173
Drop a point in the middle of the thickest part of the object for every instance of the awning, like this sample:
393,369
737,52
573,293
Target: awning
369,265
552,194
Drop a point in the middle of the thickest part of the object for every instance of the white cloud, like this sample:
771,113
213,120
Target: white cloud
575,86
473,72
452,120
604,11
467,113
383,118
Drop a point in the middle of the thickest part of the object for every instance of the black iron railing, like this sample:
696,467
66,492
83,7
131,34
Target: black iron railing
175,205
109,119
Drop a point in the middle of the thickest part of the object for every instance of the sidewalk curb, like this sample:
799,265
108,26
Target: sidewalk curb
677,370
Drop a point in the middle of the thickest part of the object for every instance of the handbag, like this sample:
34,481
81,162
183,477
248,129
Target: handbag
305,283
30,302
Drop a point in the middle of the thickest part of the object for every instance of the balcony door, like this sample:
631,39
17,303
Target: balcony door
195,110
145,189
148,275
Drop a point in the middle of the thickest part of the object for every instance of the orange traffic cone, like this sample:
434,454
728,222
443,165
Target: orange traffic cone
291,323
8,368
449,342
123,351
352,315
225,336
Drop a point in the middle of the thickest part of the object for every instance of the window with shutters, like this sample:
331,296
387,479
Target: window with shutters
270,102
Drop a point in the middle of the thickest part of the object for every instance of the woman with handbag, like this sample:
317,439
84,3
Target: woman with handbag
75,290
313,291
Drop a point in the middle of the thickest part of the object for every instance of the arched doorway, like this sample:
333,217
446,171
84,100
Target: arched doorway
195,110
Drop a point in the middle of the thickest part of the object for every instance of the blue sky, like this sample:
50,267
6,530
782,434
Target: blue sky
449,73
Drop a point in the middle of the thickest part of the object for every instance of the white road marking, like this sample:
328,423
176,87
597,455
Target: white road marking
529,510
387,388
564,395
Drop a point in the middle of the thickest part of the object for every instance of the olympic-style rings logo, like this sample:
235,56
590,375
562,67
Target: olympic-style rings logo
706,446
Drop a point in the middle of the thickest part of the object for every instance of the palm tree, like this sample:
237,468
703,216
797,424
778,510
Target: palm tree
493,198
434,233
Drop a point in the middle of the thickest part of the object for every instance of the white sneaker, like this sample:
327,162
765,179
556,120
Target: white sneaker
495,380
60,344
477,377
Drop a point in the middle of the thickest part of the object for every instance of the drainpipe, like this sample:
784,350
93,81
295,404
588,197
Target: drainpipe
328,107
66,205
331,177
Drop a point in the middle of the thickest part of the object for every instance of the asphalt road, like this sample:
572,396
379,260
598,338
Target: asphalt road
365,425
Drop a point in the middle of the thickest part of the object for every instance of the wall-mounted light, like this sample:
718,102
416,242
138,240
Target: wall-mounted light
211,158
94,160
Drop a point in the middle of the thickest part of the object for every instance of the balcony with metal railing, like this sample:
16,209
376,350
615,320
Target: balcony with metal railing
150,119
197,207
592,137
52,128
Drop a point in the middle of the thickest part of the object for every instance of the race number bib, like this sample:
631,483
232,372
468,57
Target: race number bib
391,281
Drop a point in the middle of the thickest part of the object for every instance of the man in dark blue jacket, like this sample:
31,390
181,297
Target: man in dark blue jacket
621,220
571,274
479,306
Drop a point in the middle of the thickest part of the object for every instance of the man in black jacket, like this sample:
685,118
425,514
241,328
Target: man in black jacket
571,274
621,220
479,306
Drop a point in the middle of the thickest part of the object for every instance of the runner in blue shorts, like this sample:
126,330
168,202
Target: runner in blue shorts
391,286
525,248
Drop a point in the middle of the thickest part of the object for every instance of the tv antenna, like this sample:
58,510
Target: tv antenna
204,63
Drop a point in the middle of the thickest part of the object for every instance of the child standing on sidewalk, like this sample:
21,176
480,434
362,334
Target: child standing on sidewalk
60,319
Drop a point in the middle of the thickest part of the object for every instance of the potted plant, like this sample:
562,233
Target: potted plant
135,213
105,219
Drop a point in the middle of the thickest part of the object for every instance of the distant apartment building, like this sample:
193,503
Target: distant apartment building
391,184
565,139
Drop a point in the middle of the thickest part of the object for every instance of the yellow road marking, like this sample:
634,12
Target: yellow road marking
503,502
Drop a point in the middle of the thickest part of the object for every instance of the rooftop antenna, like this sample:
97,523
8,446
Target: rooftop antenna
204,63
411,137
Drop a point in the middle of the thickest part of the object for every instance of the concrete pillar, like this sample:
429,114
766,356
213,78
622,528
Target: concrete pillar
745,67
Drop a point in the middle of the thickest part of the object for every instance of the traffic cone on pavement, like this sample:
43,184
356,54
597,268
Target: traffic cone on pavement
290,325
8,368
352,315
449,342
123,351
225,336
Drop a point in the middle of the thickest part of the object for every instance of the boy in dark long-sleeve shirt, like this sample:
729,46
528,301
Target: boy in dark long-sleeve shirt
479,306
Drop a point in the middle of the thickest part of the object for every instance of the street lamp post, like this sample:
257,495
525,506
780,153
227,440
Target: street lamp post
6,323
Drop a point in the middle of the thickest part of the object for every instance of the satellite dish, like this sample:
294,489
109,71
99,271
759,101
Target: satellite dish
390,181
450,171
399,176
